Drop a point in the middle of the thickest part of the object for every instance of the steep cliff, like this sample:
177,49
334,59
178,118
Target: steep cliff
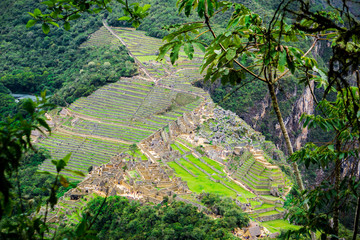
253,104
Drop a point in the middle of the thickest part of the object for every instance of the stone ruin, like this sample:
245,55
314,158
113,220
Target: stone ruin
142,180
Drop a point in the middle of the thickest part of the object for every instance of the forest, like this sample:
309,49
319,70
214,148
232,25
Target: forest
260,58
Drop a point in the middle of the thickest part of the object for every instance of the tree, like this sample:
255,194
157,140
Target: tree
68,10
340,27
15,142
133,148
247,50
250,50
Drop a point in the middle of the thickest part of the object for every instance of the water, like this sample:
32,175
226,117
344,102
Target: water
19,97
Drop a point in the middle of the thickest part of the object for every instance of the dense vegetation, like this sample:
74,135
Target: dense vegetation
119,218
33,62
316,207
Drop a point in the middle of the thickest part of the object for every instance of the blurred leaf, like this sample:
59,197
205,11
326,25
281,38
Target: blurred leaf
45,28
31,23
64,182
67,26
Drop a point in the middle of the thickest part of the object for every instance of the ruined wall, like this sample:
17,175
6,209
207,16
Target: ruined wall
158,144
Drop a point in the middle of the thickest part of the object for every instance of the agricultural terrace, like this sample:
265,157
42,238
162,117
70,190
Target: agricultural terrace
85,151
122,113
145,49
125,112
100,38
205,174
135,103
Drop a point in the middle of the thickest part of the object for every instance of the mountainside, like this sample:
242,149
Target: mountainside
125,112
41,66
186,145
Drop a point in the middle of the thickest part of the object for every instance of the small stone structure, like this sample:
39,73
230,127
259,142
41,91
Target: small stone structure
142,180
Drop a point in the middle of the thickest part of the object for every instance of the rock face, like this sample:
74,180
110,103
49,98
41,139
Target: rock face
305,104
255,231
259,115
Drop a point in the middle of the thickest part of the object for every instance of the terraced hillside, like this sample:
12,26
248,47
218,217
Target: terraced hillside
261,176
111,119
145,49
205,174
208,175
104,124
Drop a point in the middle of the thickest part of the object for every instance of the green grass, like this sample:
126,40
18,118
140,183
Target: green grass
186,143
278,225
183,147
264,206
254,203
201,183
174,147
238,188
268,213
191,167
200,164
269,197
146,58
213,163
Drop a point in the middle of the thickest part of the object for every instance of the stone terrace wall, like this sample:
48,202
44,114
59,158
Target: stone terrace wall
183,124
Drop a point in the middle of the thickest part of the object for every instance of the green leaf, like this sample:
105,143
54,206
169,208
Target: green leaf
75,16
66,158
54,162
29,106
45,28
200,46
188,7
54,23
31,23
60,165
331,147
67,26
43,123
189,50
201,8
37,12
164,49
124,18
31,14
174,55
210,7
231,53
282,60
48,3
43,172
146,7
290,65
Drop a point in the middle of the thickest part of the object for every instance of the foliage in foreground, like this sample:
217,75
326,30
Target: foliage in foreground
120,219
